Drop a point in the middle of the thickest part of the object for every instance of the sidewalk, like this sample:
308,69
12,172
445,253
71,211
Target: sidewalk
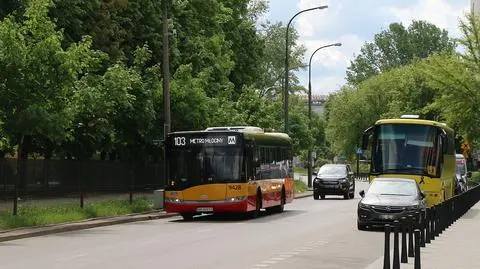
20,233
457,247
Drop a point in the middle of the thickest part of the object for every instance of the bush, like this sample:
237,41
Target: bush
300,186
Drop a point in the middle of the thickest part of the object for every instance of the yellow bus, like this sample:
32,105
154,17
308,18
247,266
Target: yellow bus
410,147
237,169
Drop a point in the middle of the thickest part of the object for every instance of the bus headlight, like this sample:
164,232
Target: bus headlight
173,200
236,199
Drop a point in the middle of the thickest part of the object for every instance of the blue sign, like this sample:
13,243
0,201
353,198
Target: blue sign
359,151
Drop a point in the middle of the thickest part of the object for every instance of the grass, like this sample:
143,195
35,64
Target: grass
29,216
300,186
300,170
475,180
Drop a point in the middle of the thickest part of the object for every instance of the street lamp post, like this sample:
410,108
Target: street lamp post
309,154
285,98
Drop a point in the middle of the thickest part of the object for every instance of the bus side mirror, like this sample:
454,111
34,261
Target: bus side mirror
444,143
366,137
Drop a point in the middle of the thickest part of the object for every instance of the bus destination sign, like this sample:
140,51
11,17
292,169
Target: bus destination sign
181,141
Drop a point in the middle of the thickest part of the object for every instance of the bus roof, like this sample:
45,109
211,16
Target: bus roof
414,121
251,132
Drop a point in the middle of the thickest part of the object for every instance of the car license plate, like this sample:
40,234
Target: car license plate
205,209
387,217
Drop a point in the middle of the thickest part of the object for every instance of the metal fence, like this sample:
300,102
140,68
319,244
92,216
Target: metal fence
421,229
57,178
361,177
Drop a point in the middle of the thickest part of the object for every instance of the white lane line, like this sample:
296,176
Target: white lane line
262,265
204,231
278,259
71,257
293,253
285,256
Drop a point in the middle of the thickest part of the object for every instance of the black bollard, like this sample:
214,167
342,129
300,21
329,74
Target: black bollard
411,222
404,258
433,224
427,226
386,254
421,216
417,250
396,254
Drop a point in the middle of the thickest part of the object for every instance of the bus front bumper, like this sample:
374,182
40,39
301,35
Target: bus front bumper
200,207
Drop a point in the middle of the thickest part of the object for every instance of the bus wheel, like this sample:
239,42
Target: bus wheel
283,200
258,205
187,216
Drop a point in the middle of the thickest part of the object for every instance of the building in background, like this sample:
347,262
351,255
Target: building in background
475,6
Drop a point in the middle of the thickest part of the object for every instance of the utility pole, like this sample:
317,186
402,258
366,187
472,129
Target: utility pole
166,87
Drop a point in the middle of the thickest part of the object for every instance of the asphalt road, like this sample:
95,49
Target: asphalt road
309,234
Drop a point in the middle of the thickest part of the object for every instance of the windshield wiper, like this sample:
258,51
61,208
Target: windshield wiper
394,194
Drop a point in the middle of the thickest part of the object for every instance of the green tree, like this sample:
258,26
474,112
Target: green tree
397,47
272,79
456,78
38,74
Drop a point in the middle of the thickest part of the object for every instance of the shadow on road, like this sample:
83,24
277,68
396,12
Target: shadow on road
225,217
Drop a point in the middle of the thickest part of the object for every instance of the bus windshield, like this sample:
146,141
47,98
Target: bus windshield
199,165
406,149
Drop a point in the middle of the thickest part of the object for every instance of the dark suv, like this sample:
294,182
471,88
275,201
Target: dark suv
334,179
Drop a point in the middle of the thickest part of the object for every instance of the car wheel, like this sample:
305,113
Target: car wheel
346,195
361,227
316,196
322,196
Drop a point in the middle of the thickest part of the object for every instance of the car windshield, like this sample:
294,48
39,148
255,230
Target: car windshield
393,187
460,169
332,170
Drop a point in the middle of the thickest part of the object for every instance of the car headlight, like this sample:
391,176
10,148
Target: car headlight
343,180
364,206
412,207
316,180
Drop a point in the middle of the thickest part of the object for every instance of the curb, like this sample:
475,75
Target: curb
87,224
22,233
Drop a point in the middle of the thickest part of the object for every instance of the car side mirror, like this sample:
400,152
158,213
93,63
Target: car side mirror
350,173
314,174
362,193
422,195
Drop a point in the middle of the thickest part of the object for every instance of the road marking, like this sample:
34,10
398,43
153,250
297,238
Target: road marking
262,265
71,257
286,256
204,231
278,259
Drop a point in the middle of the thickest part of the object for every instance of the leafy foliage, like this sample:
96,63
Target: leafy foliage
397,47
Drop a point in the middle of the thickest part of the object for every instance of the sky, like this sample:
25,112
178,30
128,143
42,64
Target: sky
354,22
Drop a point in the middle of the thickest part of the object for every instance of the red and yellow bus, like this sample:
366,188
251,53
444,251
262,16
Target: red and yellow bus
239,169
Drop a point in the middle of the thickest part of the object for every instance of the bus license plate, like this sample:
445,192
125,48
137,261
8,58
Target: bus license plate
205,209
